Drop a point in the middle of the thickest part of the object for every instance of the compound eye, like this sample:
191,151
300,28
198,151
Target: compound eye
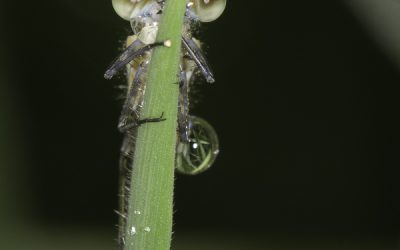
207,10
129,9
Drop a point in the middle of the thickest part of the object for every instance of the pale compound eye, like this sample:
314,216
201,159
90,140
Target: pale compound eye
200,152
129,9
207,10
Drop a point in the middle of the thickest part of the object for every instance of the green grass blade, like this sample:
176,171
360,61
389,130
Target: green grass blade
149,225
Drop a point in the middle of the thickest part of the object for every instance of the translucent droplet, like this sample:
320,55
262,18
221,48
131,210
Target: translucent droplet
133,231
147,229
137,212
200,153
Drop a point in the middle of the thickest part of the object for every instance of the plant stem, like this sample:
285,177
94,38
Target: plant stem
149,224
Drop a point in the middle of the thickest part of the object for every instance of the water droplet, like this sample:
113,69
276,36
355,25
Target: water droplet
200,153
132,231
147,229
137,212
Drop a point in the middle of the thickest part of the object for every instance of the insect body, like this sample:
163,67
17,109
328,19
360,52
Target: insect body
197,145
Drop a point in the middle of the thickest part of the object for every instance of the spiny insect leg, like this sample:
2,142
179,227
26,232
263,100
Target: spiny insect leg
130,109
196,54
183,107
131,52
143,121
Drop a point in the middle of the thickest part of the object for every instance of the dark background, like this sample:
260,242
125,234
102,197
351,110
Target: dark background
305,106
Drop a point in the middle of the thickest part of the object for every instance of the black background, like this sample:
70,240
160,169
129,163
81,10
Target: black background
305,106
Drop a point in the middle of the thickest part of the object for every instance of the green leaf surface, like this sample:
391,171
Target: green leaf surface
149,225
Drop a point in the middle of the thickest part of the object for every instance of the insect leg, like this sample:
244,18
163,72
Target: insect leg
129,117
142,121
133,102
183,107
156,119
197,55
131,52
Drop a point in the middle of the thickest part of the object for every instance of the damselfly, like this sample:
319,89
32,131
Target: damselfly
197,145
